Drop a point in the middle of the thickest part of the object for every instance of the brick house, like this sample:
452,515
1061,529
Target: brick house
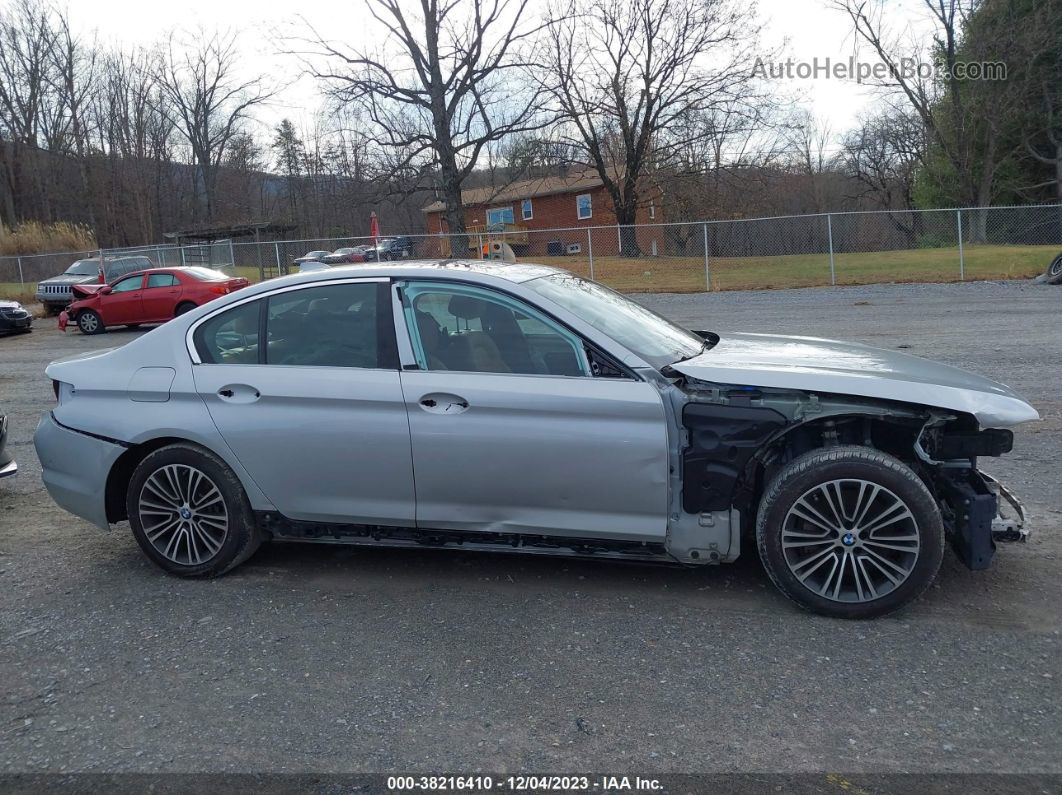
521,212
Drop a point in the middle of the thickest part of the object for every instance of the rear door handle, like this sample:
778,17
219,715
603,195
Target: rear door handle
239,393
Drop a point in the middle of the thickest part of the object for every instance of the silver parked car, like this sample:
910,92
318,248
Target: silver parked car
515,407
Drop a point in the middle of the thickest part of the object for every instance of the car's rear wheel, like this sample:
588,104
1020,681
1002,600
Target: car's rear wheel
89,322
850,532
187,306
189,512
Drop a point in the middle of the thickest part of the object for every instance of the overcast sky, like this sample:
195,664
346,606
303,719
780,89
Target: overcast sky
809,27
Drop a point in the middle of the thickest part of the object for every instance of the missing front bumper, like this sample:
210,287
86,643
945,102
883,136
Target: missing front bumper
979,511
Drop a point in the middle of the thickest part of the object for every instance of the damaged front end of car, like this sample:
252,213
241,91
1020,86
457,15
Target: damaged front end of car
978,511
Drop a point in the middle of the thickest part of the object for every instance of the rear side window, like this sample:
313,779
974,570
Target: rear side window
162,280
340,325
336,325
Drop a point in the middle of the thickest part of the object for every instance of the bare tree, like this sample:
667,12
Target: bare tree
883,154
445,86
28,107
626,74
210,104
74,78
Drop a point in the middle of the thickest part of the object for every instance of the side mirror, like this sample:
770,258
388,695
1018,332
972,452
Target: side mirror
105,290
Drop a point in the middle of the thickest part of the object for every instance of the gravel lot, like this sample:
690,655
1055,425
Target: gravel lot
327,659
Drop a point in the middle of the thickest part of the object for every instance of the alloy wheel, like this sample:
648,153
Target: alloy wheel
850,540
88,322
183,514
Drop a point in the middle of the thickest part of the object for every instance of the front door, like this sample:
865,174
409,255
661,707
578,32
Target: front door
513,434
124,303
315,414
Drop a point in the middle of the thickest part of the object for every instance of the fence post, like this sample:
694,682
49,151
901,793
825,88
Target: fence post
829,234
590,251
276,246
21,280
232,254
707,271
962,259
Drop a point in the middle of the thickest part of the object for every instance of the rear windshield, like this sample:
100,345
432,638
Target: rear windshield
206,274
84,267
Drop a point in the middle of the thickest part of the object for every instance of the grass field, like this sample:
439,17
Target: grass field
686,274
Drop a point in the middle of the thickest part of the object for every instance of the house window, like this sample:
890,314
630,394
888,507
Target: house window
583,206
526,211
499,215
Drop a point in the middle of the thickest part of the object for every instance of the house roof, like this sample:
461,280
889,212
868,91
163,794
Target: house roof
524,189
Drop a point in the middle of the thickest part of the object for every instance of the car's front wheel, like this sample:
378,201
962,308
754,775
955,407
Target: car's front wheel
90,322
849,532
189,512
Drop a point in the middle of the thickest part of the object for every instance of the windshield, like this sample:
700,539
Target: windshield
206,274
654,338
84,267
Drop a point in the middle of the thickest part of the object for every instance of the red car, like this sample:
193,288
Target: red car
147,296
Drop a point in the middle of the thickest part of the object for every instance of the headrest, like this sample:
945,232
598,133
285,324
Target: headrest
466,307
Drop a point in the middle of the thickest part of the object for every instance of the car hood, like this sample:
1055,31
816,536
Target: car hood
819,365
10,304
70,278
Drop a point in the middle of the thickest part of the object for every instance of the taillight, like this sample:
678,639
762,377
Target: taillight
219,290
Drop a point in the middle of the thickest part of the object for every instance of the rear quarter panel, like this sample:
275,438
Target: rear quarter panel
106,399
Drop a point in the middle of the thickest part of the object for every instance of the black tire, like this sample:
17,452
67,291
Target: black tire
182,308
89,322
241,536
1054,271
856,544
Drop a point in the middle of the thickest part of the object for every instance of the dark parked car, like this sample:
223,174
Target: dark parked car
310,256
389,248
344,256
8,466
14,319
55,292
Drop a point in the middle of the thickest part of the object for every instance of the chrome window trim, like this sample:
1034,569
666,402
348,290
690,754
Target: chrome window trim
189,343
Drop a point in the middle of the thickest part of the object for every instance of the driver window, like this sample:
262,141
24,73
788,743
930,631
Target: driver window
127,285
481,331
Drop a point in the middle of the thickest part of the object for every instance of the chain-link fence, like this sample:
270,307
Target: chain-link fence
787,251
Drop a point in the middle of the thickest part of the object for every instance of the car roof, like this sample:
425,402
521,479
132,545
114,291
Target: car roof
446,268
170,269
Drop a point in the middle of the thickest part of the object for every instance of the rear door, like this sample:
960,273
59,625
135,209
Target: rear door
511,431
315,414
124,304
161,293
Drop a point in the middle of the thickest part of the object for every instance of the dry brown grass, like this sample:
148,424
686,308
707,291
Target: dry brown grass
33,237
